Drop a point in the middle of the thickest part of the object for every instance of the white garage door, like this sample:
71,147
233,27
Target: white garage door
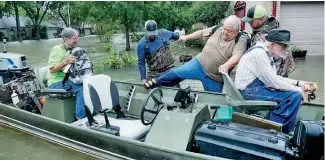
305,20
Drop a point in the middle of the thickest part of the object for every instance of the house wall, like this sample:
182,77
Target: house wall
5,33
24,31
305,21
51,32
87,31
12,34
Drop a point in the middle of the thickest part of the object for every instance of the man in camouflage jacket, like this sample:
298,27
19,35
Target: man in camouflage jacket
261,25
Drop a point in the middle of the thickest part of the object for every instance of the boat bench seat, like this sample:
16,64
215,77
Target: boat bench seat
59,103
101,95
234,98
41,74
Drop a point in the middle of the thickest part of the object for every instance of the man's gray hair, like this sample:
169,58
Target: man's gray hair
234,21
67,33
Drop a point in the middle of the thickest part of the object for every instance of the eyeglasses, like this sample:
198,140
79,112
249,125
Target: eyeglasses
75,39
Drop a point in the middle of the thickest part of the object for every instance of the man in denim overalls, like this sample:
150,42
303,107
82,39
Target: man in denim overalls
257,79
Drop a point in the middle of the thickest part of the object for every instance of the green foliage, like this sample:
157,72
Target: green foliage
2,7
127,14
100,66
79,13
127,59
36,11
108,48
104,28
105,37
210,13
7,8
43,32
28,26
114,61
109,17
2,4
295,48
169,15
196,43
136,37
179,48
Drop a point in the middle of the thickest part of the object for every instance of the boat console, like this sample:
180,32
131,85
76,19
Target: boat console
173,122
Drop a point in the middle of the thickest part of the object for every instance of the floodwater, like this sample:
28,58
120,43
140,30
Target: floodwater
17,145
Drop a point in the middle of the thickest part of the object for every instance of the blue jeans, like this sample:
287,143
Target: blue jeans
190,70
288,103
77,90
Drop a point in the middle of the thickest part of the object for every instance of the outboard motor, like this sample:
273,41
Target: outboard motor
18,83
12,65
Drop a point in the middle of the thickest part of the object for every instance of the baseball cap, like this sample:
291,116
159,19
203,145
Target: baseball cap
256,11
151,28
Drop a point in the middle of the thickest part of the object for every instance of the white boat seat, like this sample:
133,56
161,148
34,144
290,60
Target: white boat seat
234,98
129,128
101,93
41,74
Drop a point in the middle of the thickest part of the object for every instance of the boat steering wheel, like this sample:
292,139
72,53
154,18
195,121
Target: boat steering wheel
156,95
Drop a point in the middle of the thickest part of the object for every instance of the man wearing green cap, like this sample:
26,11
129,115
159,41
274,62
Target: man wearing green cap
256,79
261,25
154,50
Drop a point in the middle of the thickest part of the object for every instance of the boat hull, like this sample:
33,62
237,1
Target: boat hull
131,148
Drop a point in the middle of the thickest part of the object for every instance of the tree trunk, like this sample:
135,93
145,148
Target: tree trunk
127,32
37,29
62,17
20,39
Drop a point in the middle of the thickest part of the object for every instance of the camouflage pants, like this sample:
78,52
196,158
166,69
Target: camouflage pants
160,62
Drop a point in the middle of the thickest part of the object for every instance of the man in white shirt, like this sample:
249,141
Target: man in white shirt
257,79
